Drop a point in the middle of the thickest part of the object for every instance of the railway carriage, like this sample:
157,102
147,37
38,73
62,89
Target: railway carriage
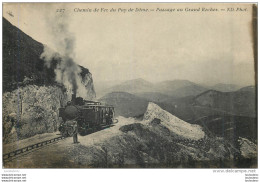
90,116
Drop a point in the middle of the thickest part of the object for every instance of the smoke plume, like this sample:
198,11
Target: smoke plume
67,71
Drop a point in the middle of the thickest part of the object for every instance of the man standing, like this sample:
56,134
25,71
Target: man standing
75,132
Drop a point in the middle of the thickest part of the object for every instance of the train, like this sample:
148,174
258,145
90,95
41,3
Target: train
89,115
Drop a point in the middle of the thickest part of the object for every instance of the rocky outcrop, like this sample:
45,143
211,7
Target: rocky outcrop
31,110
31,94
247,148
176,125
87,91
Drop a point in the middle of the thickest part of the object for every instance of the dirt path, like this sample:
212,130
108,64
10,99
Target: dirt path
59,154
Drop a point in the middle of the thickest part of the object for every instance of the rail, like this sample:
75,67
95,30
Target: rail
41,144
30,147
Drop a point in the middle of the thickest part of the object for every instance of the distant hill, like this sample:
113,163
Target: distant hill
125,104
225,87
155,96
190,108
191,90
172,85
241,102
133,86
188,111
129,105
251,89
179,88
174,88
102,87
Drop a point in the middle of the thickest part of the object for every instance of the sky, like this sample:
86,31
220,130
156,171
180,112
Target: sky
205,47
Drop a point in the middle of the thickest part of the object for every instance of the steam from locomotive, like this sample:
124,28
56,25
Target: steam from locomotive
67,71
89,115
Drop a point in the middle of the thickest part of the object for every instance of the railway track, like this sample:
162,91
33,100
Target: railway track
26,149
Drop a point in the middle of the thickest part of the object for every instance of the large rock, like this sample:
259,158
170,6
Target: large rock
247,148
176,125
31,110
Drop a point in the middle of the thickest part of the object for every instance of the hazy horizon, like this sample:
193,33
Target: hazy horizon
205,48
155,82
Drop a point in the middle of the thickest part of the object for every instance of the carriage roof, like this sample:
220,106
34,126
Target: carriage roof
88,104
91,104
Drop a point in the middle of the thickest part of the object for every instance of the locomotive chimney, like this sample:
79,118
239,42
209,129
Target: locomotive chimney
73,98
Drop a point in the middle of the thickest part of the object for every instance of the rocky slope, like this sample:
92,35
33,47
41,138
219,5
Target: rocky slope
31,95
241,102
230,127
225,87
31,110
176,125
248,149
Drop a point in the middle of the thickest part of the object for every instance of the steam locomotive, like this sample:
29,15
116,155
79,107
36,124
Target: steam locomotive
89,115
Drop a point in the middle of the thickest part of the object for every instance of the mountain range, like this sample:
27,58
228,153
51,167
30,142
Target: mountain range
230,115
189,108
225,113
241,102
172,88
225,87
179,96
